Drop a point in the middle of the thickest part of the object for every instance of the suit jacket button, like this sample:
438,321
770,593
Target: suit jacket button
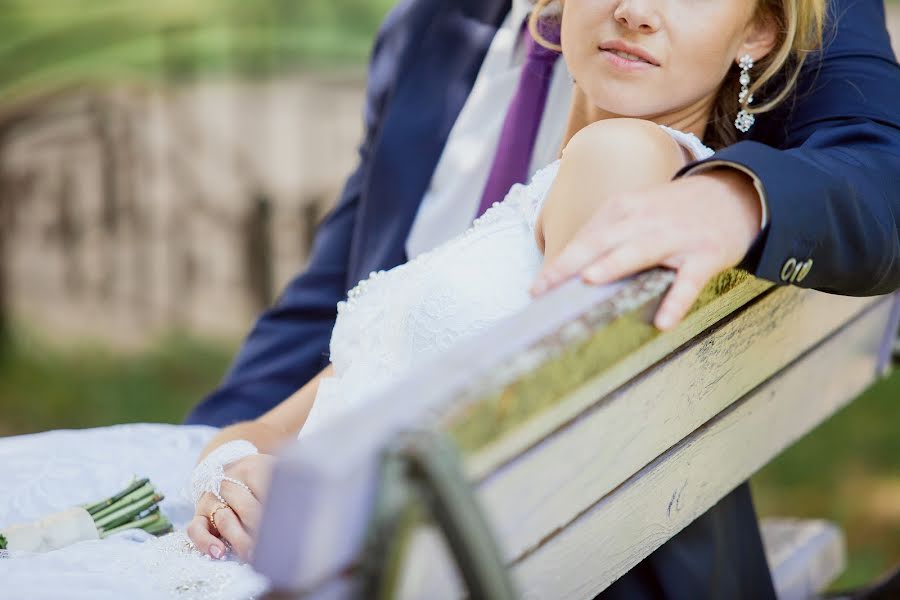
789,269
804,270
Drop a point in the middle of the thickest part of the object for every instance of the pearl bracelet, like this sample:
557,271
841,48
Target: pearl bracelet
210,472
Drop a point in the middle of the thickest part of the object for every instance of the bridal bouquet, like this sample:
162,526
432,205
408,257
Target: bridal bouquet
135,507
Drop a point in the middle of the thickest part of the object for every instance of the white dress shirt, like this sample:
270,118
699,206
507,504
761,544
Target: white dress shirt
452,198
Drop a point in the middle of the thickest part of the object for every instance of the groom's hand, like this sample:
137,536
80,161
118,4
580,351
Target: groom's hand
699,226
237,523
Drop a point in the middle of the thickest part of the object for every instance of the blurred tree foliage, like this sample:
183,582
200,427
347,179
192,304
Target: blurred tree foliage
46,44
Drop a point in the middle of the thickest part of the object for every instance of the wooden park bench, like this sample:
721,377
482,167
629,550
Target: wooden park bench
547,457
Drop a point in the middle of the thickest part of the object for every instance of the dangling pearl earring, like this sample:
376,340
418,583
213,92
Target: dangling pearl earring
744,119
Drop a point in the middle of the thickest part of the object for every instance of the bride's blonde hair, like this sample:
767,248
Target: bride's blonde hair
799,24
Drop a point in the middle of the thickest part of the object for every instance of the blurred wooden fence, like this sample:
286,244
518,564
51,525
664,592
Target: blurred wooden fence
134,210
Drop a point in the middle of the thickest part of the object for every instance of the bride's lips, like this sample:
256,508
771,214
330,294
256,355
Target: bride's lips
639,60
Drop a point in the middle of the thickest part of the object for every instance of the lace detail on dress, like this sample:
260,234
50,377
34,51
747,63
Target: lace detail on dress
690,141
174,568
537,191
396,318
208,474
48,472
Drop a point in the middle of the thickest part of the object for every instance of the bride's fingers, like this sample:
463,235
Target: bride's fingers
201,536
244,503
233,532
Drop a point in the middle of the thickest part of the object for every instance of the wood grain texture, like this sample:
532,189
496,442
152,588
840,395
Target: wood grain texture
804,556
546,487
658,501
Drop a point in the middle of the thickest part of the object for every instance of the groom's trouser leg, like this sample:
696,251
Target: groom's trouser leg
718,556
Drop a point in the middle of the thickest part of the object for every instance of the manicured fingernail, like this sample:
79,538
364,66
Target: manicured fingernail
216,552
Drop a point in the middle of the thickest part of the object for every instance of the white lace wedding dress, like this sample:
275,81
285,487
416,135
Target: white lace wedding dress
389,323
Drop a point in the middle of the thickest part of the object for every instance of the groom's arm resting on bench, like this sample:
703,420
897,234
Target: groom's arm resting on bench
833,185
828,164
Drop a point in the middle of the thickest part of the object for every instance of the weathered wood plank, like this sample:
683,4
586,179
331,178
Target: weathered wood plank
662,498
615,339
336,481
545,488
805,556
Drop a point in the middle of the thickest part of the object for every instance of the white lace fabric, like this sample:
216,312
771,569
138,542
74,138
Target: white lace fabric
394,319
49,472
208,474
388,325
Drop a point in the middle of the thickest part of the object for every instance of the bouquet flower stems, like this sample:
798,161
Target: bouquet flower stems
135,507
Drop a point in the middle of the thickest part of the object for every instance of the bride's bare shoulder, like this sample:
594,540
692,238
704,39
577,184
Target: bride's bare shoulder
637,142
605,158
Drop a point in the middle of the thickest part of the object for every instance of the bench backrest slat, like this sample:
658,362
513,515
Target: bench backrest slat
565,407
619,528
618,434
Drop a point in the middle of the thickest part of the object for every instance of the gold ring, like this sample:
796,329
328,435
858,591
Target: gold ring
211,517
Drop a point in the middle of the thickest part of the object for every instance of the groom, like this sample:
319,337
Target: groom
442,78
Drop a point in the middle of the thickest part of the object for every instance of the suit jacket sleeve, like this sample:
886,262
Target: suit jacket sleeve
833,191
288,344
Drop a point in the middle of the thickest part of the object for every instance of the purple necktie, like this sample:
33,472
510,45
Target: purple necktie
523,118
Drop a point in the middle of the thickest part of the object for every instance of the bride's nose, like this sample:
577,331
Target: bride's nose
638,15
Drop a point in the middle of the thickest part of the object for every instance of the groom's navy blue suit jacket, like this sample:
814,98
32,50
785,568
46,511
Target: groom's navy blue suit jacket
829,161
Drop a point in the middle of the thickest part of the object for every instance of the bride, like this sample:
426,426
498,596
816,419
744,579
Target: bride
651,80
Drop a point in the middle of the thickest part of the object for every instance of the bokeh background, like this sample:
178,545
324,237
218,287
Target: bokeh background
163,166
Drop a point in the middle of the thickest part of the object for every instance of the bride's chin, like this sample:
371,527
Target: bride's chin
609,108
633,102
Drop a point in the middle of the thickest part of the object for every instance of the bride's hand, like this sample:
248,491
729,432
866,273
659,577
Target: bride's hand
238,523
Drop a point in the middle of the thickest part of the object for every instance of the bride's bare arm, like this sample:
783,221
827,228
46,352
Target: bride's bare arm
604,159
276,427
237,521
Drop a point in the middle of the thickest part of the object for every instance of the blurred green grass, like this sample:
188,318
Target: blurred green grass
87,385
847,470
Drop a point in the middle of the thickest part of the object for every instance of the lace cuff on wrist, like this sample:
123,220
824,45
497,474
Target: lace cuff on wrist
208,474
